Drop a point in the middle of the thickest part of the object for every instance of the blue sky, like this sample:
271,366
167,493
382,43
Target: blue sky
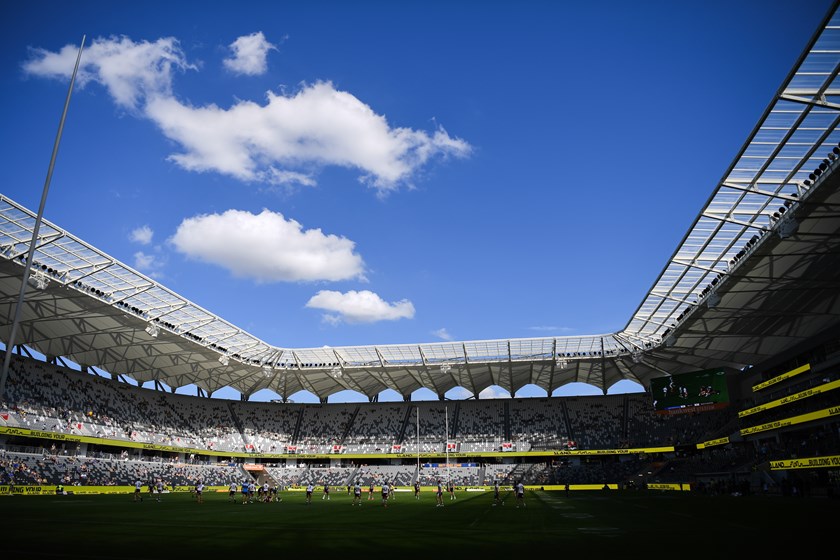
354,173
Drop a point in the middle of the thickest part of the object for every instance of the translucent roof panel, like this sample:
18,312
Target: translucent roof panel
797,131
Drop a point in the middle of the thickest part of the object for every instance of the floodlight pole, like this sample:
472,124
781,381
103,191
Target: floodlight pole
448,473
31,254
417,436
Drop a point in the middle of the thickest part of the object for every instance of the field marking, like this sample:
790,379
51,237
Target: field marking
554,502
602,531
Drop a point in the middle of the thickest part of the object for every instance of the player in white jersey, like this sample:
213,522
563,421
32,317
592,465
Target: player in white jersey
199,490
386,490
519,490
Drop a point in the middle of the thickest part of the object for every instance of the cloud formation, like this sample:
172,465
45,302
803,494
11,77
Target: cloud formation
142,235
442,334
249,54
359,307
493,392
151,265
131,72
142,261
267,247
280,142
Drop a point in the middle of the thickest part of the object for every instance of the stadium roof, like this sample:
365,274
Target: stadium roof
756,274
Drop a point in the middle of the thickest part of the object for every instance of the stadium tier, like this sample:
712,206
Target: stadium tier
61,426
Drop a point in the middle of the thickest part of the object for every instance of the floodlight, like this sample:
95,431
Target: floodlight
445,368
336,372
266,370
787,227
712,300
224,360
152,330
637,357
38,280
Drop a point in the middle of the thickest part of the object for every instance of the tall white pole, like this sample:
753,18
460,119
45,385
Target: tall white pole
10,345
417,416
446,413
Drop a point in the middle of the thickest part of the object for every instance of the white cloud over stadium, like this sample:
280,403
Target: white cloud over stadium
284,140
359,307
267,247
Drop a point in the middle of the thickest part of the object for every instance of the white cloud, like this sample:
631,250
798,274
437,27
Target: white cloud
317,126
280,177
249,55
282,141
359,307
458,394
267,247
148,264
493,392
443,334
143,261
142,235
131,72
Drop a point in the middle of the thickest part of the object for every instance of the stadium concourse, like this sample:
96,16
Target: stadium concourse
750,295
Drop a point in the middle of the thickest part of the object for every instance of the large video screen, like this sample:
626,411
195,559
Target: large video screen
690,392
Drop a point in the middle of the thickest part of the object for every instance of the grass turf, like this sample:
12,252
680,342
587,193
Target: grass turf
653,523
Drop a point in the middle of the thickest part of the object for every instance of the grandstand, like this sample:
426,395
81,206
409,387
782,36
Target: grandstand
751,292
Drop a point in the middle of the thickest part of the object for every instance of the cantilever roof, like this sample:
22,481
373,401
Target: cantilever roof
767,225
794,135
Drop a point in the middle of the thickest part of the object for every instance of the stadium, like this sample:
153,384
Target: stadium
737,344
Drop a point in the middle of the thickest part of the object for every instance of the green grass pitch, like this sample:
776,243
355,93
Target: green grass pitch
672,524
